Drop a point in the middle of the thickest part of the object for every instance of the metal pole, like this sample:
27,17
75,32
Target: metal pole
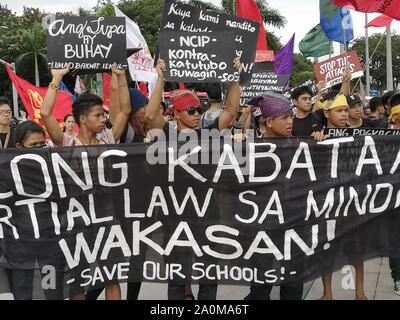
367,60
389,66
99,79
15,97
14,90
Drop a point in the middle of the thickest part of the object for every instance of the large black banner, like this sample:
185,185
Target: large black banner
178,16
87,43
269,211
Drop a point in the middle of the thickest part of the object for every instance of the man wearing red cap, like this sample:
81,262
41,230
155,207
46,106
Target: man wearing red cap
187,107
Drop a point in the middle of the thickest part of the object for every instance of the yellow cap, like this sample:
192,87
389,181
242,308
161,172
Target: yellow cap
394,110
322,105
339,101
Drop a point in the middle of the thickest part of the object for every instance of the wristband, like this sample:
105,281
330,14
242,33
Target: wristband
53,86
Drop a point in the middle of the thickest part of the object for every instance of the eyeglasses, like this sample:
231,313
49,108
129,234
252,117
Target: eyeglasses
192,111
5,112
38,145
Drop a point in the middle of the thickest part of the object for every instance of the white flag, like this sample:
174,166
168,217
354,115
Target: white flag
141,64
79,86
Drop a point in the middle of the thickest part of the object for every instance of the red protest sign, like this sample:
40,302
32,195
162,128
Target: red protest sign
331,70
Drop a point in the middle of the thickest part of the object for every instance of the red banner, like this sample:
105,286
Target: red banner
32,98
248,9
390,8
331,70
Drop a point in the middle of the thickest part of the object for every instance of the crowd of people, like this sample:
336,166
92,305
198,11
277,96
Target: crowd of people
133,118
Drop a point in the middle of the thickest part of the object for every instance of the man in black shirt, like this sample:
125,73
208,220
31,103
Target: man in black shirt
356,114
304,122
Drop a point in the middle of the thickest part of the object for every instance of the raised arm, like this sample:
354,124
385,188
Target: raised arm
345,89
232,101
52,127
122,115
320,85
114,98
153,116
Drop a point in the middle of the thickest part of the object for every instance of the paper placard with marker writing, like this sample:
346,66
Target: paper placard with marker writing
204,57
178,16
87,43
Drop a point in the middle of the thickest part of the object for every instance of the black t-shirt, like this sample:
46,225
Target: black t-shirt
379,123
11,141
366,123
306,126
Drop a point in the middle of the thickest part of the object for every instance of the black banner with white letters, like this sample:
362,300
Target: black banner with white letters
346,132
178,16
266,212
87,43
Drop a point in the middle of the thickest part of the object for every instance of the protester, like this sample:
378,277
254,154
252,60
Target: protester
7,139
394,259
278,115
69,123
337,114
89,115
356,115
377,113
215,105
386,104
304,121
187,107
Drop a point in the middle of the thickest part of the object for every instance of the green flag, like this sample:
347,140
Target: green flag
315,43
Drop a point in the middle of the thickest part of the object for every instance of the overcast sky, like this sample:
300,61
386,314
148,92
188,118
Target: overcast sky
301,15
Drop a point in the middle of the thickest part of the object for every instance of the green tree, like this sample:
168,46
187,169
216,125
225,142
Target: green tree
302,70
378,60
34,40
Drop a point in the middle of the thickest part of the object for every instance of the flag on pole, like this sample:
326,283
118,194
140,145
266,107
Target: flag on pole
79,86
335,21
315,43
389,8
141,64
381,21
32,98
284,59
248,9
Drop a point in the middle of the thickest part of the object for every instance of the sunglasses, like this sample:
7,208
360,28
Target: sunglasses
192,111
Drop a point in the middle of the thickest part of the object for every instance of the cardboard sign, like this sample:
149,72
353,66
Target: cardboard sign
263,79
331,70
87,43
179,16
198,58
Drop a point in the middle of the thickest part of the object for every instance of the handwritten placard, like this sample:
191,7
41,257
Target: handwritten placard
178,16
198,57
87,43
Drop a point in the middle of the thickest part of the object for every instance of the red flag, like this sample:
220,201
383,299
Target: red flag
381,21
249,10
389,8
181,86
32,98
106,90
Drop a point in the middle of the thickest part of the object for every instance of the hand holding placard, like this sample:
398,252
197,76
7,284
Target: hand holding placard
58,74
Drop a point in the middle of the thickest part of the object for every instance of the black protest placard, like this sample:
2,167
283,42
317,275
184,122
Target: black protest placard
92,44
263,79
178,16
133,212
198,57
348,132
